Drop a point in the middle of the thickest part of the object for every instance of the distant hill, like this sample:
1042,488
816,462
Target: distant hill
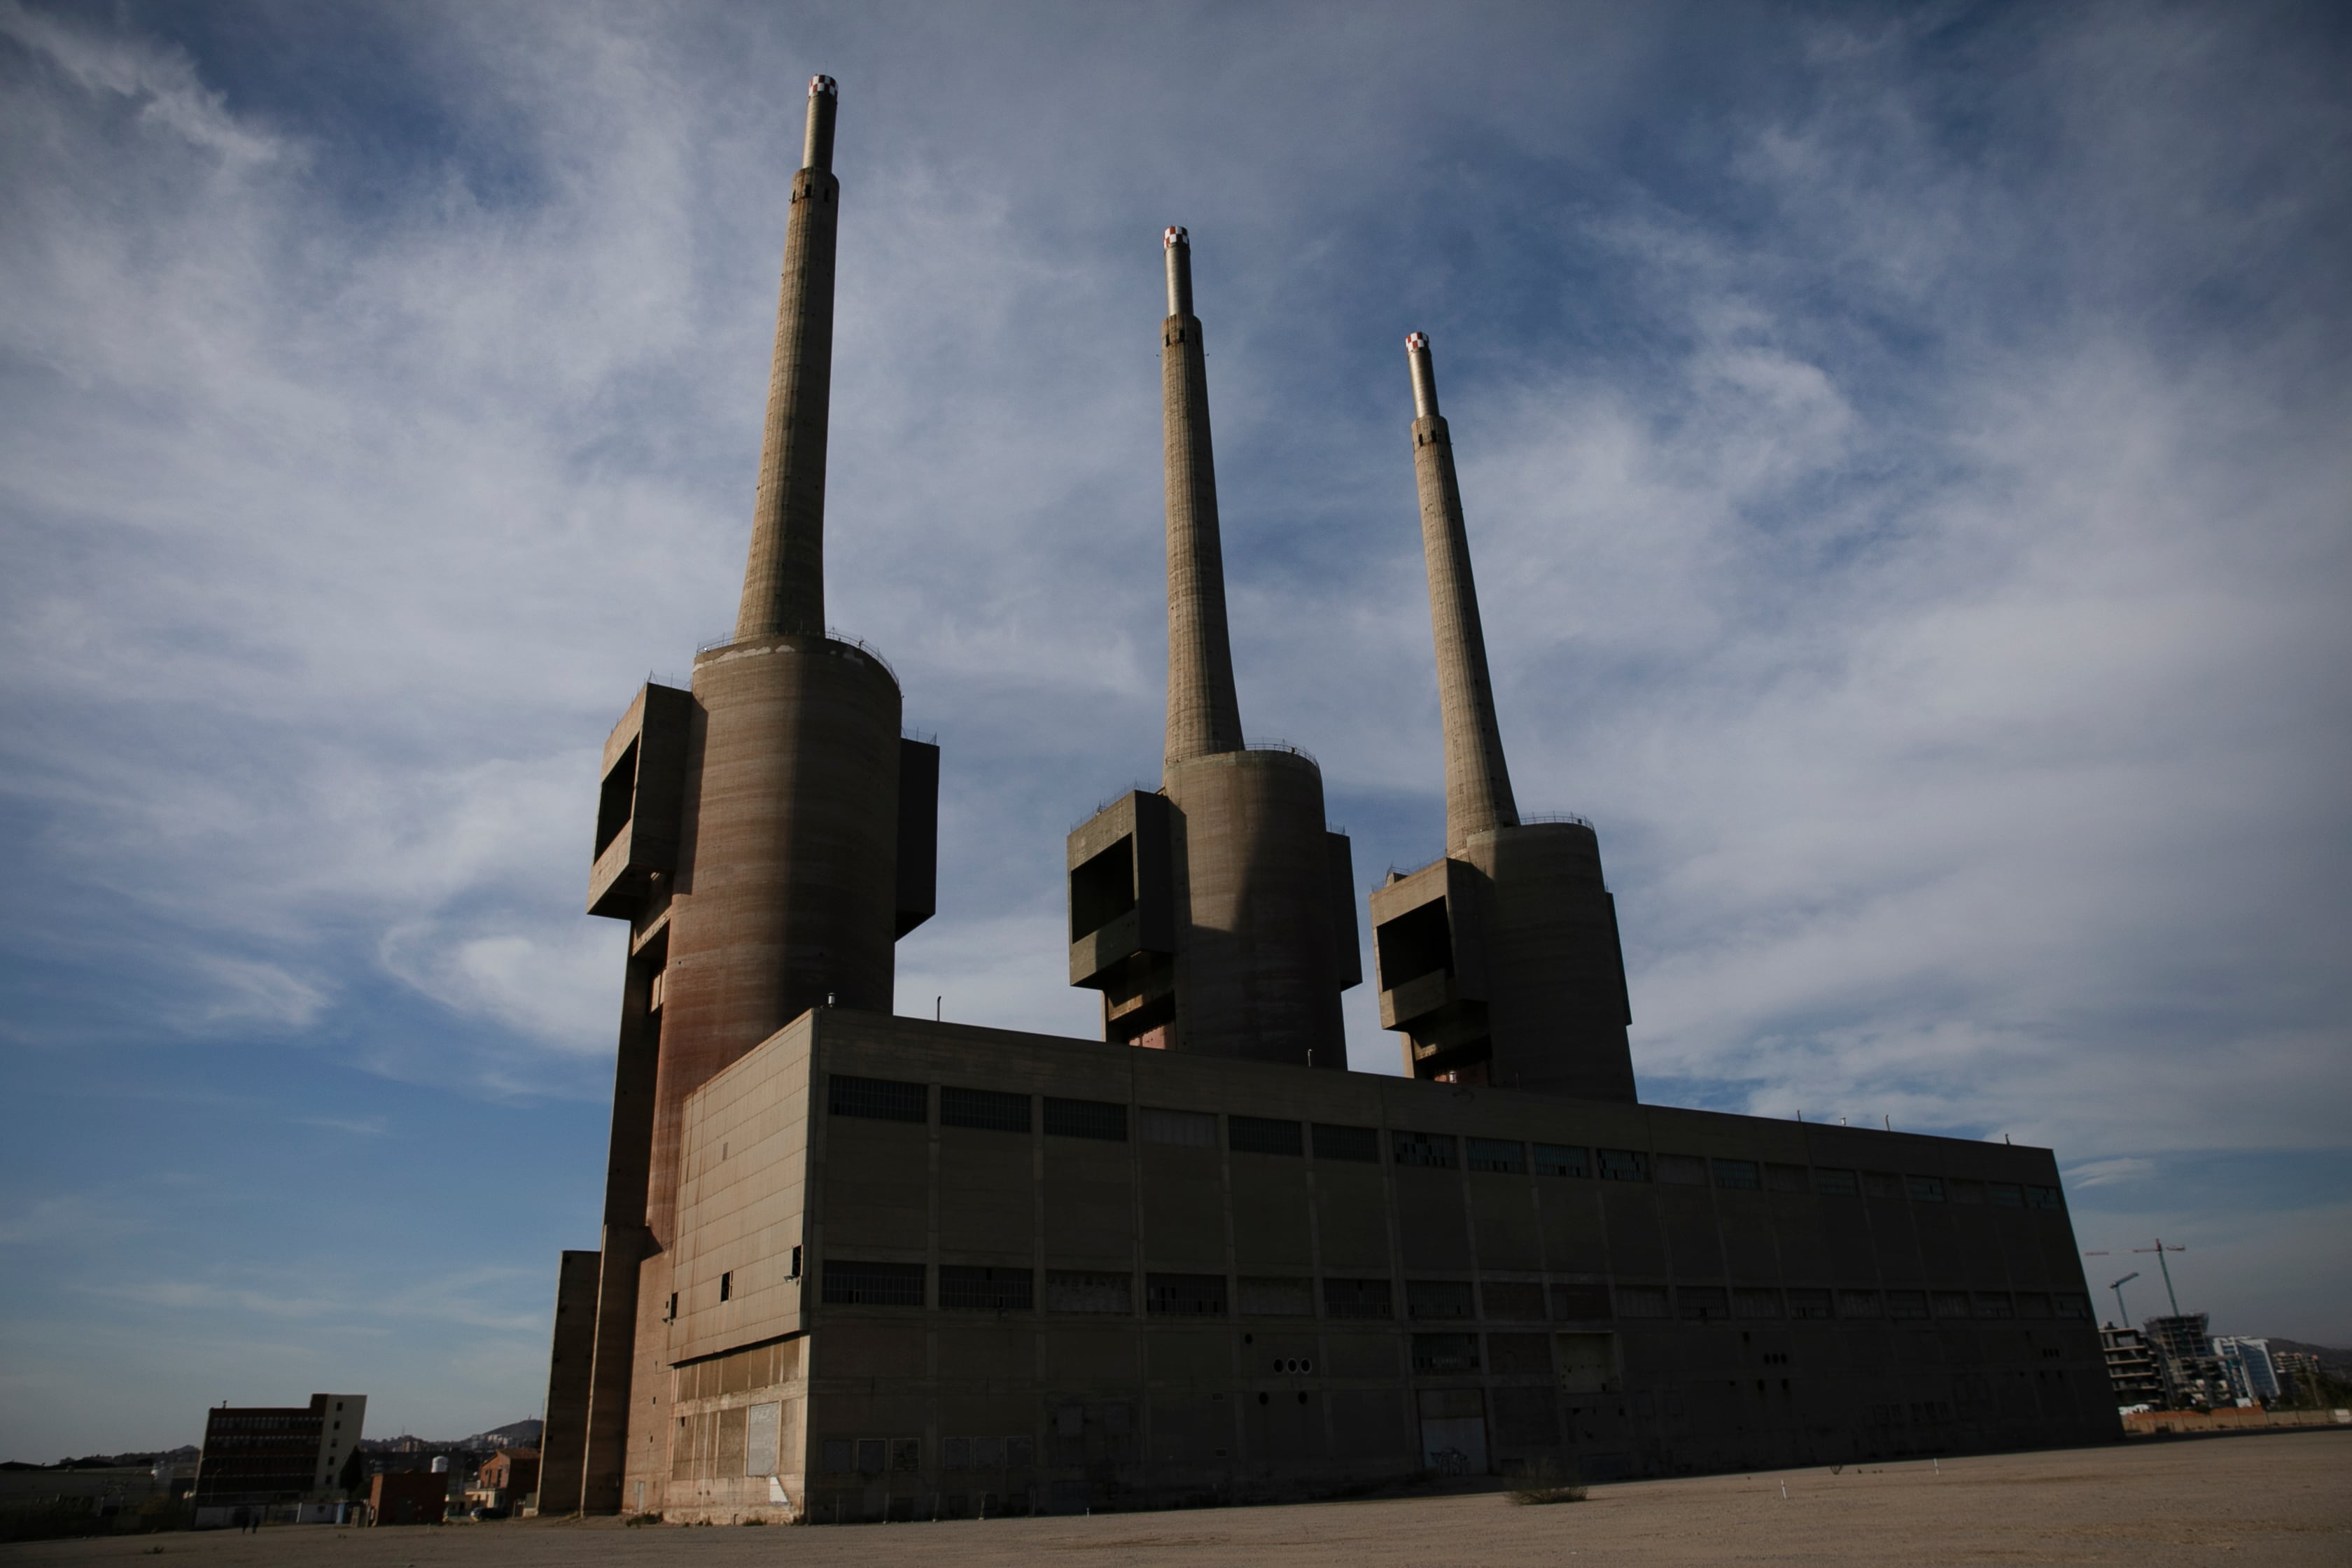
513,1435
2334,1359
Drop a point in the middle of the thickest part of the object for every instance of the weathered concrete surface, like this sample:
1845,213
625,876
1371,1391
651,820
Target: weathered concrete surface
1203,713
2285,1500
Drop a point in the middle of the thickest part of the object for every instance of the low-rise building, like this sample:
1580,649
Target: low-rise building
409,1496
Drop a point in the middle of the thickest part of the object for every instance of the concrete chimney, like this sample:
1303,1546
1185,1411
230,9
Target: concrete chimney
1204,712
1477,784
783,579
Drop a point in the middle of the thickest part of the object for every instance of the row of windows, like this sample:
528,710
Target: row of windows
888,1099
1000,1289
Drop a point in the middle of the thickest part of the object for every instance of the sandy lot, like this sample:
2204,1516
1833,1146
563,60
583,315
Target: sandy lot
2283,1499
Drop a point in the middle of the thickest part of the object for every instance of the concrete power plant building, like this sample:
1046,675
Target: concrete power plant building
855,1266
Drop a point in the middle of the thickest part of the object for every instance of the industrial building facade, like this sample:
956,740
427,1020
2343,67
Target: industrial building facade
858,1266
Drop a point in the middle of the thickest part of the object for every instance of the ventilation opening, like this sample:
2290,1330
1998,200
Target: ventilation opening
1419,942
619,799
1103,889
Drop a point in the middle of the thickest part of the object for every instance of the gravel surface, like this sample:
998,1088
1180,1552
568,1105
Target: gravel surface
2283,1498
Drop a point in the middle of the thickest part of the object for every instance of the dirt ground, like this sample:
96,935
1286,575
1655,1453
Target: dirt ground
2283,1499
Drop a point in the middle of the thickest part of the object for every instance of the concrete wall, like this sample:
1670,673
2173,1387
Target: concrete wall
1377,1316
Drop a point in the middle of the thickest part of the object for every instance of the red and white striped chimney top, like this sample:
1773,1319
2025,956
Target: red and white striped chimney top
1175,236
824,86
1416,343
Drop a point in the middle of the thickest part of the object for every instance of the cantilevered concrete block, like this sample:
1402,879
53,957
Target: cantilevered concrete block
640,810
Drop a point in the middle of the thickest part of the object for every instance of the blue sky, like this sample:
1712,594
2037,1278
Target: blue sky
1905,458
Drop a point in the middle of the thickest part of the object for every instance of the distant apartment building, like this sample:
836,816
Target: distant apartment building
2247,1363
266,1456
2193,1375
2297,1372
2131,1367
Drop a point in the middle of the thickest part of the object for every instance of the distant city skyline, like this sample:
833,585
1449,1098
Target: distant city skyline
1902,457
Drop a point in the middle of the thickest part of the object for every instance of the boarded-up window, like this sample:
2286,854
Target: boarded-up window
1622,1164
1682,1170
1787,1179
1498,1156
1881,1185
1184,1295
881,1099
1184,1128
984,1108
2033,1305
1809,1305
1277,1298
1740,1174
1994,1304
1433,1151
1526,1418
1754,1301
905,1454
1860,1304
1519,1353
1436,1300
731,1424
1357,1299
1519,1299
849,1284
966,1288
1076,1290
1446,1352
1258,1135
760,1440
1702,1303
873,1453
836,1455
1335,1142
1641,1301
1085,1118
1906,1305
1579,1303
1562,1160
1966,1192
1588,1363
1950,1303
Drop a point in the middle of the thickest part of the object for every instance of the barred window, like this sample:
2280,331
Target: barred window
1179,1128
1809,1306
1579,1303
1624,1166
1754,1301
1085,1118
1434,1150
1682,1170
1436,1299
1881,1185
1277,1298
1836,1184
966,1288
1787,1179
1446,1352
1077,1290
1702,1303
1738,1174
881,1099
1949,1303
1333,1143
1925,1189
1185,1295
2043,1198
1860,1304
1640,1300
1499,1156
1560,1160
1357,1299
1258,1135
1908,1306
2005,1194
1995,1305
849,1284
1512,1299
984,1108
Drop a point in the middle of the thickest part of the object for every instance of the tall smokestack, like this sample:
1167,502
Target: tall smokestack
1477,784
783,580
1203,713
